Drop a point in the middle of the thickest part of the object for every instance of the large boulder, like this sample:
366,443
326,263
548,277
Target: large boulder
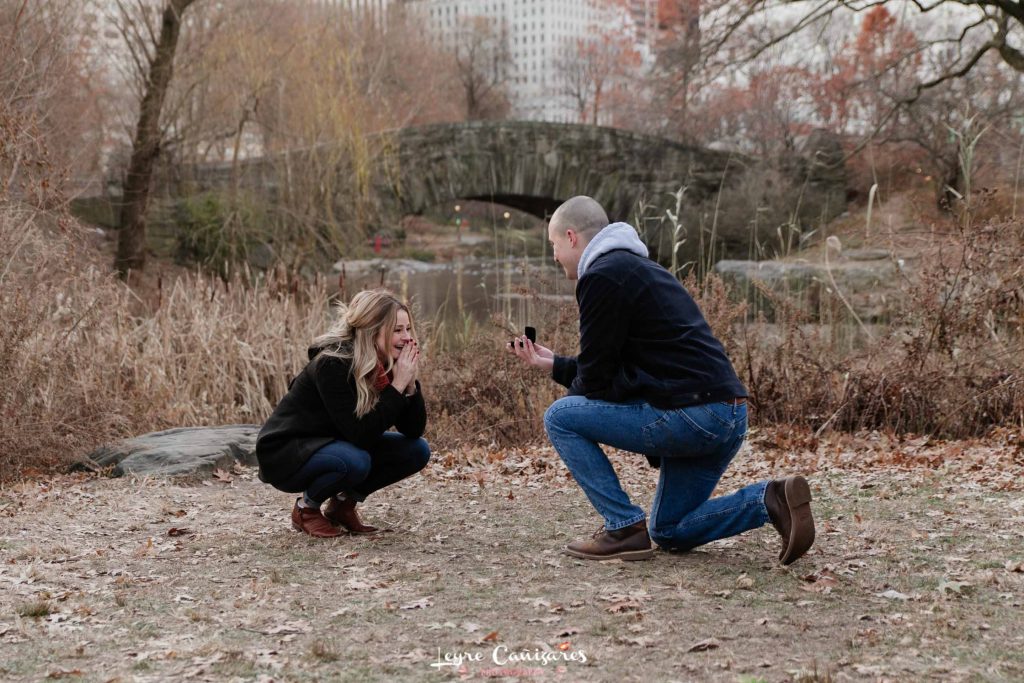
184,451
869,280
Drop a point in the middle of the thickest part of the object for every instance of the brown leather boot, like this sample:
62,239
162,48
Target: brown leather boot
310,521
343,513
789,508
628,543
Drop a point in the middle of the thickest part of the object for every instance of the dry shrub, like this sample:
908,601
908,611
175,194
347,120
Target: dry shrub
949,364
82,366
480,394
49,115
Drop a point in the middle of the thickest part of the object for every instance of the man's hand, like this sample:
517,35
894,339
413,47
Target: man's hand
532,354
405,367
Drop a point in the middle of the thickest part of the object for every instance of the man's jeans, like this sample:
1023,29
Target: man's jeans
695,445
340,467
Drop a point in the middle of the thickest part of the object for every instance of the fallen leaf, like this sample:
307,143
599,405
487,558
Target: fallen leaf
64,673
566,632
289,627
175,531
820,582
623,606
491,637
958,587
639,641
422,603
542,620
893,595
222,475
705,645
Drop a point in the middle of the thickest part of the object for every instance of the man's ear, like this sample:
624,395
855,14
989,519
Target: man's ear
574,237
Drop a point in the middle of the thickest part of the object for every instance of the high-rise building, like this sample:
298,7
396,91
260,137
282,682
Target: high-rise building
376,10
538,38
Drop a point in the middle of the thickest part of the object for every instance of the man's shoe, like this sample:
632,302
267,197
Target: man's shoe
310,521
789,509
343,513
628,543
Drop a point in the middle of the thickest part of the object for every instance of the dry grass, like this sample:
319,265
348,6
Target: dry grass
90,360
87,360
949,363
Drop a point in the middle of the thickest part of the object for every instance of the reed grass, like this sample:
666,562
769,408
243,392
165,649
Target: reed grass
87,360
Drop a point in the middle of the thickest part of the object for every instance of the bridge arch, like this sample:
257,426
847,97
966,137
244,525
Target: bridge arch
534,166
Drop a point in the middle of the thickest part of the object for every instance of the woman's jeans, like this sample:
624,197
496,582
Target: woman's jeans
340,467
695,445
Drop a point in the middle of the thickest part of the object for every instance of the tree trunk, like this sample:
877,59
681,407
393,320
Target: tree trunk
131,240
952,187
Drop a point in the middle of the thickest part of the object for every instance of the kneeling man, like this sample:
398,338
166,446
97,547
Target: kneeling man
651,378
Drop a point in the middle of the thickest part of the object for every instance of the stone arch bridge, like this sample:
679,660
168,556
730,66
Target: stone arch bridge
534,166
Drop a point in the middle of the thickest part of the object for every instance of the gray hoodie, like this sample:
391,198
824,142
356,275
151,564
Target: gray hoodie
611,237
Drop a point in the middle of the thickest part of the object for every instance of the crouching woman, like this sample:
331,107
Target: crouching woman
328,438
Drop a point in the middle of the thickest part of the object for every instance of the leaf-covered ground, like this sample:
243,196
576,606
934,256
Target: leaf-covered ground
918,574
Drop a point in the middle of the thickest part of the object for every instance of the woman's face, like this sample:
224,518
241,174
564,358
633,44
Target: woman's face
393,341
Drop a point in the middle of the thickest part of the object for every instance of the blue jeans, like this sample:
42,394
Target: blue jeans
340,467
695,444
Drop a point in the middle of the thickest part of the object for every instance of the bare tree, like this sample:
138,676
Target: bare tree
154,57
971,29
482,59
48,113
593,71
678,54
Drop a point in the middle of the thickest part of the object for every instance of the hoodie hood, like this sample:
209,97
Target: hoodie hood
612,237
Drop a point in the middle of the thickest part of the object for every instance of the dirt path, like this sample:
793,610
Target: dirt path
918,574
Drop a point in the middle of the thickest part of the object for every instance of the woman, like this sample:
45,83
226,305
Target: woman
328,436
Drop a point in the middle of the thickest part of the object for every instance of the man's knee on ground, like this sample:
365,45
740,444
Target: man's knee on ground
667,539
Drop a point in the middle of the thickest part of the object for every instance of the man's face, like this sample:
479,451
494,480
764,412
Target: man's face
565,248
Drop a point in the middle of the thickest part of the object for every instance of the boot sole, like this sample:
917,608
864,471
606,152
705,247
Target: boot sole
345,530
303,531
627,555
801,526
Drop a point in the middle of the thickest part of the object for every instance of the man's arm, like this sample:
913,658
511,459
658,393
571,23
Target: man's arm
603,328
564,370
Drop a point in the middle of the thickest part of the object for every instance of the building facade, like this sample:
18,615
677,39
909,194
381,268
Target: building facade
541,38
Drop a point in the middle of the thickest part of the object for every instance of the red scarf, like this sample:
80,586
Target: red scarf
383,378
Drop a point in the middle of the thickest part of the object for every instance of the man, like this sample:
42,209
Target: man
651,378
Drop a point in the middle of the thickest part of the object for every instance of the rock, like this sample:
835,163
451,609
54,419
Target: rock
867,254
178,452
868,279
262,256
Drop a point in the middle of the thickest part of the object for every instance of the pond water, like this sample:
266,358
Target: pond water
453,297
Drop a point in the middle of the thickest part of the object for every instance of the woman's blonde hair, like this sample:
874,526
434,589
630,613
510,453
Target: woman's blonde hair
353,337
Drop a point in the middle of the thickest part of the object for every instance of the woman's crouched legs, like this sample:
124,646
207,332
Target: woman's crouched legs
345,474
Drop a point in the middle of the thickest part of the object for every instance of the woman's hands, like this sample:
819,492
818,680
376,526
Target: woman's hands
406,369
532,354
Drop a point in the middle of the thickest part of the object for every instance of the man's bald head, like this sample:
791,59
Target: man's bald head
582,214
